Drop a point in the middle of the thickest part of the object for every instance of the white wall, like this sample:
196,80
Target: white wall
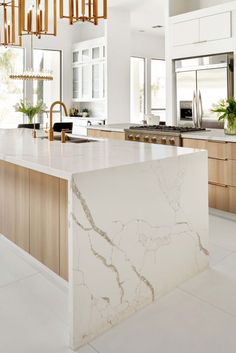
177,7
118,66
208,3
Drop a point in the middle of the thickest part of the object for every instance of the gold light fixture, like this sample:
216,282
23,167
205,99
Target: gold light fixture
83,10
36,19
31,74
9,23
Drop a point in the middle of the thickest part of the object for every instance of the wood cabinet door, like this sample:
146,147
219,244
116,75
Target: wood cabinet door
219,197
218,171
192,143
45,219
215,27
217,150
232,172
231,150
232,199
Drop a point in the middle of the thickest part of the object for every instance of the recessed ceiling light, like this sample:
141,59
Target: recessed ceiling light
157,26
141,31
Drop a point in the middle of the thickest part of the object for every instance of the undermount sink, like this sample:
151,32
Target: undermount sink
72,139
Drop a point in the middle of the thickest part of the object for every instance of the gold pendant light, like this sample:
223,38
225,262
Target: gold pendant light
35,15
83,10
9,23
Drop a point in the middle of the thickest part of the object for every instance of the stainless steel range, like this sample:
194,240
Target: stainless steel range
158,134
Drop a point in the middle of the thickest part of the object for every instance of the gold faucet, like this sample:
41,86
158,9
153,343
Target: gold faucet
50,131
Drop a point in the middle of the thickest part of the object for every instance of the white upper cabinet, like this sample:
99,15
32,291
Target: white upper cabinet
186,32
89,70
203,29
215,27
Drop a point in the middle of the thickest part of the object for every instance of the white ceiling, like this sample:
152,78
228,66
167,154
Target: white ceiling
144,14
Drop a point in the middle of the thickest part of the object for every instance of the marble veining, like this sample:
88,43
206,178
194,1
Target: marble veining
144,247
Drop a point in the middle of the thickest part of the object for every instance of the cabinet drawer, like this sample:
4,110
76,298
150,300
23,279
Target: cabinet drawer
218,171
217,150
219,197
215,27
231,150
232,173
232,199
191,143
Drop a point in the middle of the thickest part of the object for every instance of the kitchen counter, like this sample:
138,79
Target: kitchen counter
134,215
213,134
113,127
64,160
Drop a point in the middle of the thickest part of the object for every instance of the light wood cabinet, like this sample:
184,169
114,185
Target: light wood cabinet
115,135
222,172
218,171
232,199
34,215
219,197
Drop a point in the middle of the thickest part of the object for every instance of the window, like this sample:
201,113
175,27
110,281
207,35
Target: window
158,88
137,89
48,91
11,91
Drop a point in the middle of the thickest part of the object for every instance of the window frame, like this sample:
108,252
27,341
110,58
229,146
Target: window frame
60,98
145,82
156,109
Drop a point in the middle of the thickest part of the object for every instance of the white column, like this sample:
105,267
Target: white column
117,35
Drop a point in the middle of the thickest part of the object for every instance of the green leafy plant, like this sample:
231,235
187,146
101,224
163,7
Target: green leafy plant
226,110
29,109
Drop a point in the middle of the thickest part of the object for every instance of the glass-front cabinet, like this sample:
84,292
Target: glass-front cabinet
89,70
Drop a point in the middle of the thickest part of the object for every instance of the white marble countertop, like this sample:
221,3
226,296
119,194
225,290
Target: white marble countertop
63,160
213,134
113,127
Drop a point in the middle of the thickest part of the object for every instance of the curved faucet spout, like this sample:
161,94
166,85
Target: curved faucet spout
50,131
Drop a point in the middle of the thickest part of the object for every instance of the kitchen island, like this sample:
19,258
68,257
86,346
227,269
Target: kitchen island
130,220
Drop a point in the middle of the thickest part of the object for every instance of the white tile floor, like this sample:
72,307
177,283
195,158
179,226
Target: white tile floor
198,317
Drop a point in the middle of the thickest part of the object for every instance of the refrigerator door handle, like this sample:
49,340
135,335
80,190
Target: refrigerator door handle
194,109
201,108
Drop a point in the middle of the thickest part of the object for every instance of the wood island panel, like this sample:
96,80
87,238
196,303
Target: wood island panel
44,219
63,229
217,150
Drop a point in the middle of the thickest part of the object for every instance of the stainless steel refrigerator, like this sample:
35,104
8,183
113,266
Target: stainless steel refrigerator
200,83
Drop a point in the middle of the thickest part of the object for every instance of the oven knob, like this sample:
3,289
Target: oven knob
137,137
163,140
154,139
146,138
172,141
130,137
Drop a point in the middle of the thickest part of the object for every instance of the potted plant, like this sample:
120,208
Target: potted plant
226,110
85,112
29,109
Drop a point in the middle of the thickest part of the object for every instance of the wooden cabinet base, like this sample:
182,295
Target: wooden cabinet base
33,210
219,197
114,135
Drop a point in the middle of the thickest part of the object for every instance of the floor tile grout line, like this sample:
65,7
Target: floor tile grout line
18,280
225,257
206,302
222,247
95,350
